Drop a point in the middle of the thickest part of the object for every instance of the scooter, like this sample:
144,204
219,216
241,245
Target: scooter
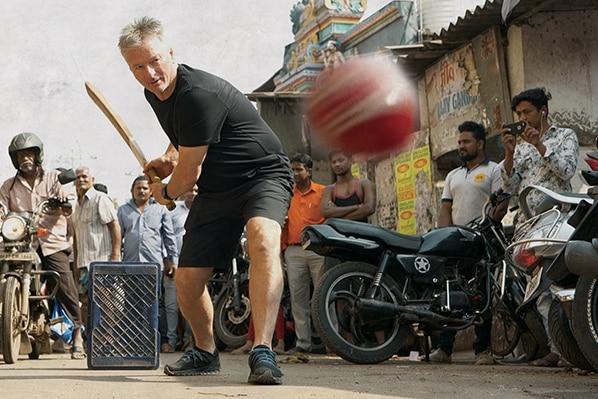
569,277
540,240
578,264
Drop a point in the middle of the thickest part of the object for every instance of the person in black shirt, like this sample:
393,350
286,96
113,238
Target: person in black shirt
348,197
219,142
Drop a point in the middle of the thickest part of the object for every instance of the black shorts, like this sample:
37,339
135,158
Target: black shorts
216,221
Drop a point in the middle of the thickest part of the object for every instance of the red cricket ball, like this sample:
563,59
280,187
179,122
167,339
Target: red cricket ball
365,105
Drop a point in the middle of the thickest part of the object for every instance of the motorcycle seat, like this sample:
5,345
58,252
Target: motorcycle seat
590,176
571,199
375,233
564,200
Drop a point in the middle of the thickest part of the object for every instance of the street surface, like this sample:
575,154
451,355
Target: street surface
324,376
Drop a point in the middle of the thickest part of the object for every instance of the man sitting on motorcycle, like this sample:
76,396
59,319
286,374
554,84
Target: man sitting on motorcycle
23,192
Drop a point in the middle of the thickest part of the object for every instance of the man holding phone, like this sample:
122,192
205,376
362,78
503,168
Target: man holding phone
544,155
541,154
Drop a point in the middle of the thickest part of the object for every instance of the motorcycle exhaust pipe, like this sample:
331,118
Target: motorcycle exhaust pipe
411,313
581,258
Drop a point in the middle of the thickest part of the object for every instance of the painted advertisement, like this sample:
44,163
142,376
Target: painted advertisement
407,167
452,88
466,84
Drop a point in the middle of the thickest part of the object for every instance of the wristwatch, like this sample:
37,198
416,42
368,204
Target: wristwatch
165,194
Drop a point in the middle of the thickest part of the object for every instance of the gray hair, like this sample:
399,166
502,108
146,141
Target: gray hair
133,35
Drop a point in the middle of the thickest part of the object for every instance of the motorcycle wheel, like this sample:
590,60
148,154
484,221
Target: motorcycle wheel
230,326
562,337
358,339
505,332
533,341
585,318
11,315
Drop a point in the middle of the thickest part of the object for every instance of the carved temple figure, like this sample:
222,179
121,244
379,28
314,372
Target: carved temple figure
332,54
355,6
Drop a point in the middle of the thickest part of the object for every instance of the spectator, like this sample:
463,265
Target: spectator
466,189
544,155
219,141
23,192
303,267
348,197
147,229
97,235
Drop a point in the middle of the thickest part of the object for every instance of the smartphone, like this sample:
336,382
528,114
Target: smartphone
516,128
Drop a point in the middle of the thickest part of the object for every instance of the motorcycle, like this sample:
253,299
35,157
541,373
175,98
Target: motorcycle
576,266
365,307
537,252
25,317
511,330
232,307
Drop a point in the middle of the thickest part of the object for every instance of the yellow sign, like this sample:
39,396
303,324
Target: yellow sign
355,170
407,166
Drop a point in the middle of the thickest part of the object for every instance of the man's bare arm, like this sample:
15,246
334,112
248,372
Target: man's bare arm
185,173
445,218
115,240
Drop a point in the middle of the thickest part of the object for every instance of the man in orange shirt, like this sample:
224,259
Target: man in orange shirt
303,267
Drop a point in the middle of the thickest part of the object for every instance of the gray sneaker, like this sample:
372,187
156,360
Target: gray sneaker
194,362
440,356
264,369
484,358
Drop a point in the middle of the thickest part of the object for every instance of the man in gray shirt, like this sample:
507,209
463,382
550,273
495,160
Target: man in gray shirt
466,188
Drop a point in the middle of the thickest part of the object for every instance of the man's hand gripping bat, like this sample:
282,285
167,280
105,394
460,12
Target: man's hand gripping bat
99,99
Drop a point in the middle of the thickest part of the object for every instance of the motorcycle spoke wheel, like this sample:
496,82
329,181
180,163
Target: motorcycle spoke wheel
585,318
232,326
505,331
358,338
11,316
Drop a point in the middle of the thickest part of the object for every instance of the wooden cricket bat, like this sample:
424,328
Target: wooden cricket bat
98,98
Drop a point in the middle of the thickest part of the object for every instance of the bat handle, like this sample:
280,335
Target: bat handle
156,179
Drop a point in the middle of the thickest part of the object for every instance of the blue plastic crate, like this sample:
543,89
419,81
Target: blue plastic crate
123,316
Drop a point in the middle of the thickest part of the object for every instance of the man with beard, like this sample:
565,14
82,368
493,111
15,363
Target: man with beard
23,192
148,236
466,188
544,155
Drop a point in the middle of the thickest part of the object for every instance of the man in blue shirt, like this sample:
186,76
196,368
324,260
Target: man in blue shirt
148,233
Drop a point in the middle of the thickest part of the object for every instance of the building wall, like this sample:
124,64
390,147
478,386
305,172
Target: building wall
557,51
550,49
284,116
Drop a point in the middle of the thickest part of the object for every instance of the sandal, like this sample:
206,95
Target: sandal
550,360
77,352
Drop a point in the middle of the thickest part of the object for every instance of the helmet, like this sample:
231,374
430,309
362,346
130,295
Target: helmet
23,141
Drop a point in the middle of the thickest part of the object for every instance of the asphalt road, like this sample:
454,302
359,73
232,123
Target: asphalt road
324,376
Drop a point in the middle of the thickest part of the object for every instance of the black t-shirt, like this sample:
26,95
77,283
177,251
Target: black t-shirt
207,110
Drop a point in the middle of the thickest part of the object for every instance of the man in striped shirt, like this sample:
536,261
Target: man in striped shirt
97,235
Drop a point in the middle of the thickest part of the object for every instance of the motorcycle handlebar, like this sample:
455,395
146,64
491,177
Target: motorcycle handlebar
55,203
